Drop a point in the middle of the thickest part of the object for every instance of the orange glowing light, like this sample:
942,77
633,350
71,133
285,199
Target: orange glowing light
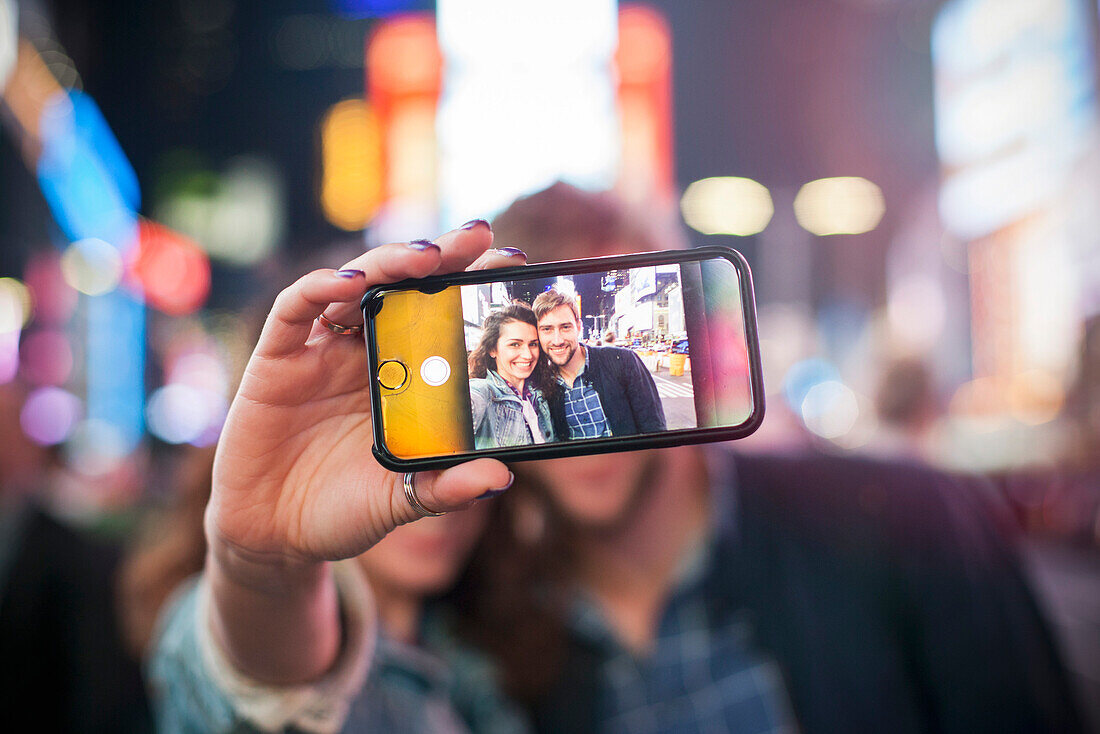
351,164
644,63
171,270
403,56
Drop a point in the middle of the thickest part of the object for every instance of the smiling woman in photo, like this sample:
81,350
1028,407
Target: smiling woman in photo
514,397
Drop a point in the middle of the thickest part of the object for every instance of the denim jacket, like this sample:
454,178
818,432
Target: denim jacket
498,413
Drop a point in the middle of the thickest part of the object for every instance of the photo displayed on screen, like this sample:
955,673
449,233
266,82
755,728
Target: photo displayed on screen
578,356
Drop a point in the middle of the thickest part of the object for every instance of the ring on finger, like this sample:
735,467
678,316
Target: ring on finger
410,495
336,328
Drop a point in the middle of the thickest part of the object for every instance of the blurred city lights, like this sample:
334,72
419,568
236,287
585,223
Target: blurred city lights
54,299
92,266
843,205
237,216
46,358
404,78
49,415
830,409
548,113
114,361
89,185
9,355
9,40
644,64
351,164
96,447
173,271
15,305
178,413
917,311
803,376
727,205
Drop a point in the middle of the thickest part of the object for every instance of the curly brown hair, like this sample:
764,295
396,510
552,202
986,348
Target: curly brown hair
480,361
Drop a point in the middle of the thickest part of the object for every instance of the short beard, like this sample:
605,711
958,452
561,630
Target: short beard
567,358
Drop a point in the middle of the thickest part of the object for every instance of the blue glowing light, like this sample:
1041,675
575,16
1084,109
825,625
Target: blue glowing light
89,185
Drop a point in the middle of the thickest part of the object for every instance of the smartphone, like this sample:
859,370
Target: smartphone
564,358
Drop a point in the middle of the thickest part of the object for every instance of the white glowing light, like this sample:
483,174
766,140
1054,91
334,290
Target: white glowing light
92,266
528,99
8,40
178,413
727,205
843,205
917,310
15,305
830,409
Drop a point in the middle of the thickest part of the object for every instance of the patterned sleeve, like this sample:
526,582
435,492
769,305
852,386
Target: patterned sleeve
196,689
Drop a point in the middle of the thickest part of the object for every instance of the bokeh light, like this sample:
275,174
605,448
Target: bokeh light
830,409
173,271
96,447
46,358
351,164
9,355
727,205
15,305
843,205
54,299
49,415
92,266
178,413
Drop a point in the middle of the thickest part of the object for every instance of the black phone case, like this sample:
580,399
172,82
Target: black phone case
576,447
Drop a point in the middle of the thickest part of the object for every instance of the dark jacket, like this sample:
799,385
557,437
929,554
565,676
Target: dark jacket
891,596
627,393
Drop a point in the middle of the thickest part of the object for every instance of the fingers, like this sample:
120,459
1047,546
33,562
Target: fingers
297,307
457,249
463,245
499,258
454,488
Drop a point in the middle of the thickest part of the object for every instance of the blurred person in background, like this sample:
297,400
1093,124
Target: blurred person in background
272,635
908,410
64,665
695,589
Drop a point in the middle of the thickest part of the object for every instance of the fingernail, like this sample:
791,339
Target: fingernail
512,252
476,222
421,245
350,273
500,490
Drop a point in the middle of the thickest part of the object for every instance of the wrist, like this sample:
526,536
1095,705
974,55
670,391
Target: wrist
269,574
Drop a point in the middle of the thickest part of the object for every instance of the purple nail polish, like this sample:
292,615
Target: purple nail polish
499,490
350,273
512,252
476,222
422,245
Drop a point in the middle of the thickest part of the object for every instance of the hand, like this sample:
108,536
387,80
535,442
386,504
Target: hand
295,482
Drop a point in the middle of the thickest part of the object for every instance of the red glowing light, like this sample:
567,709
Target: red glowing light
172,271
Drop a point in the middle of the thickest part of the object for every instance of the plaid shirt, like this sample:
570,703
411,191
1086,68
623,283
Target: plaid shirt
583,410
704,672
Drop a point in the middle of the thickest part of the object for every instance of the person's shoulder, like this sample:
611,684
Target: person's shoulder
861,499
612,354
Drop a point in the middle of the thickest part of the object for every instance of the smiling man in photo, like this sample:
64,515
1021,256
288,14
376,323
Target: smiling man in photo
608,391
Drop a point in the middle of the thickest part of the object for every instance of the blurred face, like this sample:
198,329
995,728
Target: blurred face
596,492
424,558
516,351
558,334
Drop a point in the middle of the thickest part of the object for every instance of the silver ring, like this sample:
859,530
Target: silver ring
410,495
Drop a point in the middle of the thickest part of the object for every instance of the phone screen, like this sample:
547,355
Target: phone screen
586,356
